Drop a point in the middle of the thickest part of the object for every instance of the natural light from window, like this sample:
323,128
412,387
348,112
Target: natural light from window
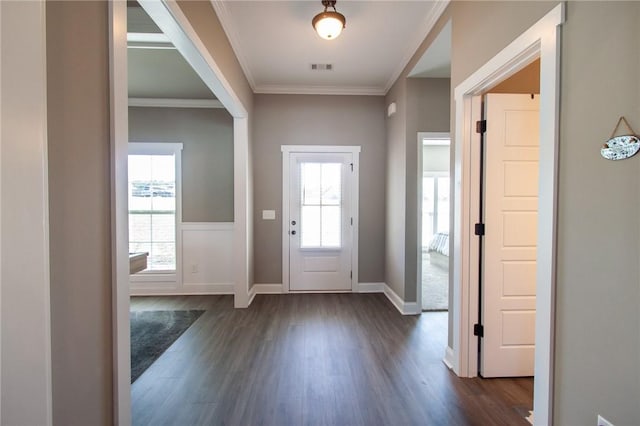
321,205
152,209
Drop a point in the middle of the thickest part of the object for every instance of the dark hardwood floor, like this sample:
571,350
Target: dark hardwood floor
314,359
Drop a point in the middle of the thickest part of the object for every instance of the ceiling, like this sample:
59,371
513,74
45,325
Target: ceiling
436,61
276,45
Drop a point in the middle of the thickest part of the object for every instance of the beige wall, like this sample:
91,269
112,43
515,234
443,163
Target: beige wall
79,202
318,120
207,155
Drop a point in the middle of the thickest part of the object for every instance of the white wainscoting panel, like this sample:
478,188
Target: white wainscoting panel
207,256
205,261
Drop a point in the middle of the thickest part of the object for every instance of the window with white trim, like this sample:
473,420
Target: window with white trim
154,201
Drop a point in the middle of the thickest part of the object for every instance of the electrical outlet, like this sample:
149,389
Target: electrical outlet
194,268
603,422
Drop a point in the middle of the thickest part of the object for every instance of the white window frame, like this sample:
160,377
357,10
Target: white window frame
175,149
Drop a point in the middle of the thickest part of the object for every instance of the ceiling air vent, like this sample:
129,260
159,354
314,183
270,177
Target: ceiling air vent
322,67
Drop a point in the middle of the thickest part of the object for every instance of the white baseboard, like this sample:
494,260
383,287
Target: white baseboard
448,358
185,289
405,308
264,289
252,295
370,287
267,288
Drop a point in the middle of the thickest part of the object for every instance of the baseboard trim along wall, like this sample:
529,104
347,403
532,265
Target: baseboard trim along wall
264,289
371,287
405,308
185,289
448,358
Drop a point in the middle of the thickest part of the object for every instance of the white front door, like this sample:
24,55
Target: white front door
510,216
320,229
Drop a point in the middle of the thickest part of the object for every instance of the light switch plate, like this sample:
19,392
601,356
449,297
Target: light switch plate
268,214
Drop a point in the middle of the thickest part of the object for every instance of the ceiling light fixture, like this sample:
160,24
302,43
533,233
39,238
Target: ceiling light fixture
329,25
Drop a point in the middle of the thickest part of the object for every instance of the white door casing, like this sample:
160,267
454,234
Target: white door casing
510,216
541,40
320,202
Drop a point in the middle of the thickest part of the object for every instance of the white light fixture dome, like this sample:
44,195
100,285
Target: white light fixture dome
329,24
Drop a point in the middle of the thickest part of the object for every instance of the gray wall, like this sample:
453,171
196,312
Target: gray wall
206,24
428,107
79,192
79,217
318,120
598,279
598,287
207,155
423,105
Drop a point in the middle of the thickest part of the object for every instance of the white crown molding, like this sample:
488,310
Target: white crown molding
319,90
174,103
426,27
227,25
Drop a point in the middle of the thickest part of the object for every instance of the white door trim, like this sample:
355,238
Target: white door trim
172,21
541,40
26,382
286,180
420,153
120,212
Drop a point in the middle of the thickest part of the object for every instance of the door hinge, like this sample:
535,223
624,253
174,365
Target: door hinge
479,229
351,164
351,274
478,330
351,221
481,126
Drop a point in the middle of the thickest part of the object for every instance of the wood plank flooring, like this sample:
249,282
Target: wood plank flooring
314,359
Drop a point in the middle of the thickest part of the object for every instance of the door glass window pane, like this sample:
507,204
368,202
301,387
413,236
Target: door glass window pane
152,209
330,226
331,177
321,205
309,226
311,175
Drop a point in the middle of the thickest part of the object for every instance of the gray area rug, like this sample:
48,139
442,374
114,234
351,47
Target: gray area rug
152,332
435,285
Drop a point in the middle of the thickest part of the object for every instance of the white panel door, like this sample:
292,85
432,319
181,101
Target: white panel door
510,216
320,229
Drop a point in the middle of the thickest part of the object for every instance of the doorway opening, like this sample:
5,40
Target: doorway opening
539,41
175,33
435,220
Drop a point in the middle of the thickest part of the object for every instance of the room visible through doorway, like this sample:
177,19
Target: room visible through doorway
435,221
